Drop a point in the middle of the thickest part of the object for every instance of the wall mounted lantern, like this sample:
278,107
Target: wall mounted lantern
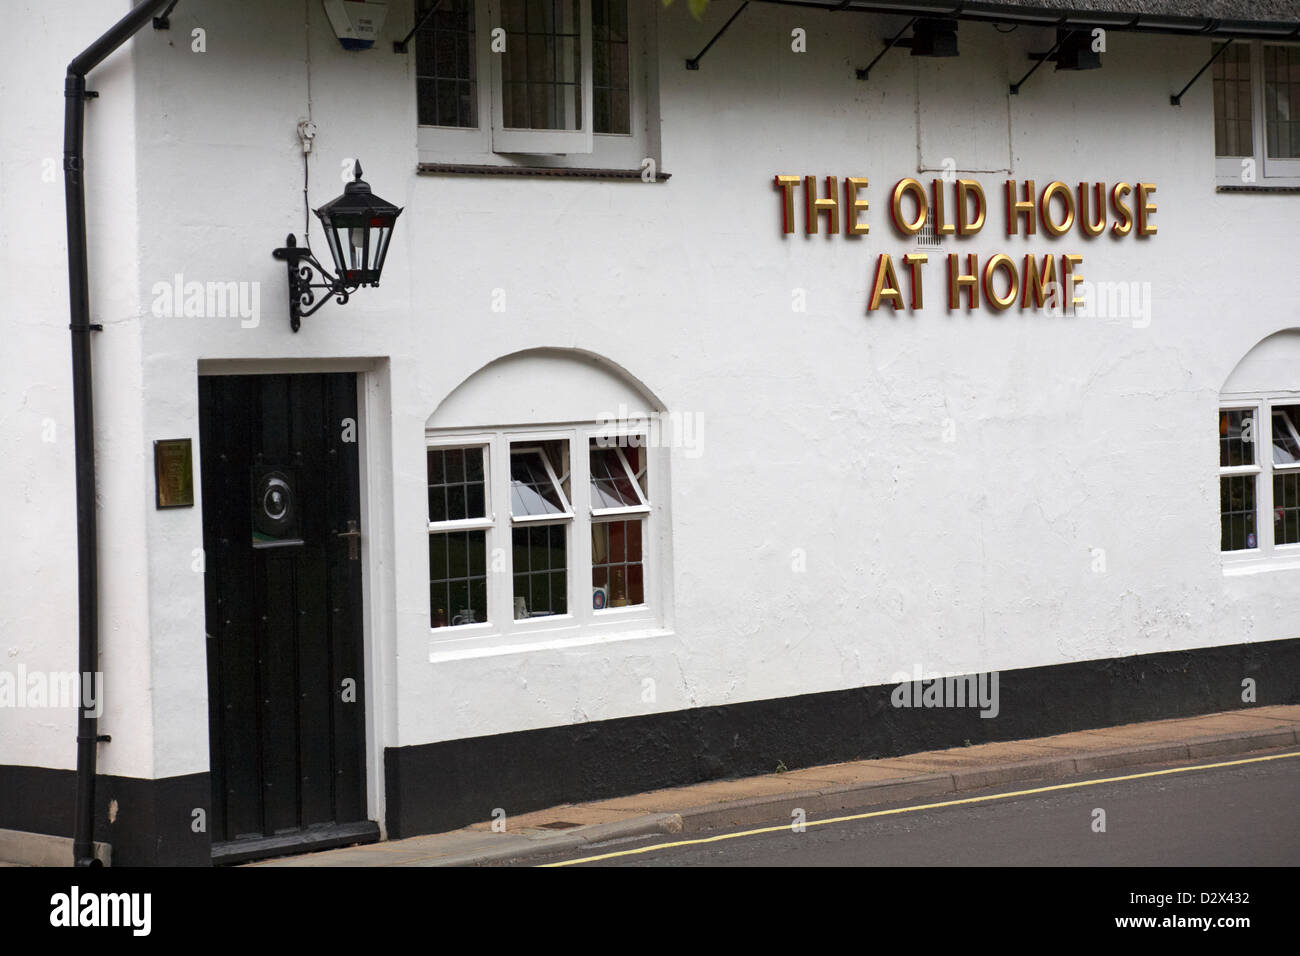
358,228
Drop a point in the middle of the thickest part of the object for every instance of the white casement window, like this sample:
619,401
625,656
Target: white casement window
544,77
1259,479
555,83
538,532
619,506
1257,114
460,520
540,520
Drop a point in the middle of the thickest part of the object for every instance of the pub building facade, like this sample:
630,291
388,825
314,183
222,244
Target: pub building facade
725,376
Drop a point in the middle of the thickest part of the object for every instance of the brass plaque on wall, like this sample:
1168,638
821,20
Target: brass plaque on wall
173,470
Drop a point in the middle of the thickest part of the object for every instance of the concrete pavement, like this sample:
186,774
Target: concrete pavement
828,790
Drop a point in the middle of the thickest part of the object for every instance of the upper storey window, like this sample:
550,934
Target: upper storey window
1257,114
550,83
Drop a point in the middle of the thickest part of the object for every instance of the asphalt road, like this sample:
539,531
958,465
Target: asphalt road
1243,815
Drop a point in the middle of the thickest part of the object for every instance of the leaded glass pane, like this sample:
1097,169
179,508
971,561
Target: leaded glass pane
446,73
1237,512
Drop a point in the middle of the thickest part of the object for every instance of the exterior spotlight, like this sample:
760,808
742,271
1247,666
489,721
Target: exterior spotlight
934,37
1075,52
358,228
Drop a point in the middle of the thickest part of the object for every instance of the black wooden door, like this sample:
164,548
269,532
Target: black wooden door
281,517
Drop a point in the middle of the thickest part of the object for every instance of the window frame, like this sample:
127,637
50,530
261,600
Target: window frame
507,139
1279,173
483,146
626,513
1274,469
643,505
486,523
567,511
502,629
1242,471
1266,553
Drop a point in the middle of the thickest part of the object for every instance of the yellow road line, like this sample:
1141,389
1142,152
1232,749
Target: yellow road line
786,828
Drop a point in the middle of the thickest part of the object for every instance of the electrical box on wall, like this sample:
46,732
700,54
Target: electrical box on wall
356,23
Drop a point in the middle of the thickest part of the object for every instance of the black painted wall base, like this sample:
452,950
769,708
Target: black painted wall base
443,786
446,785
152,821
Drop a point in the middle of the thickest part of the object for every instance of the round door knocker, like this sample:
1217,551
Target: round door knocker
277,500
275,509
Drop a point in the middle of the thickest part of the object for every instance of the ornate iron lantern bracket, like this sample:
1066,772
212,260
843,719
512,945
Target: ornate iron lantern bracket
303,267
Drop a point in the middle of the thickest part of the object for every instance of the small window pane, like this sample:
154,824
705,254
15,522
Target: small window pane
617,563
475,503
456,502
446,75
1237,510
613,484
610,486
541,72
457,578
532,490
540,570
1286,435
457,489
1281,104
635,455
609,66
454,462
474,467
1236,438
1286,508
1232,106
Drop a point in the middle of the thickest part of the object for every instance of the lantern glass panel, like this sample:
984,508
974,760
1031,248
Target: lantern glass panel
336,253
357,240
384,235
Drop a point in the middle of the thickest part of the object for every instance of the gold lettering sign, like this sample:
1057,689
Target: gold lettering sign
959,208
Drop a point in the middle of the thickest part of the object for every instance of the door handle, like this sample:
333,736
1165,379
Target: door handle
353,534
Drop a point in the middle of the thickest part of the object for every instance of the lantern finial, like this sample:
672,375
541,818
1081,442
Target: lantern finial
356,170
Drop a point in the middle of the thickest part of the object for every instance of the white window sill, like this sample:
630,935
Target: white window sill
553,172
1263,185
437,147
1242,566
560,639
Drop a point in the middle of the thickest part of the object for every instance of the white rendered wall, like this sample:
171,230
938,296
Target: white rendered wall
38,610
824,430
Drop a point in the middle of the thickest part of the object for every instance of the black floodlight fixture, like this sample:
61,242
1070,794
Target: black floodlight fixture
1074,50
934,37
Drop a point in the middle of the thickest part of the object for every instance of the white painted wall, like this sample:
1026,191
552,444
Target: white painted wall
824,430
38,609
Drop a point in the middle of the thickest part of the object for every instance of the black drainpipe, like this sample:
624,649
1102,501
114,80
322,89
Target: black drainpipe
74,110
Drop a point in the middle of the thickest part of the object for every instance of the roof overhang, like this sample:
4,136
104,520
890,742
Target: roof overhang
1130,16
